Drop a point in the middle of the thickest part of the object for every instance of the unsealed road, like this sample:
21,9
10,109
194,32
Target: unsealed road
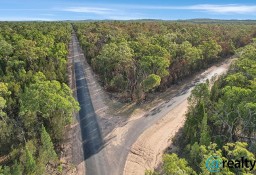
106,158
155,115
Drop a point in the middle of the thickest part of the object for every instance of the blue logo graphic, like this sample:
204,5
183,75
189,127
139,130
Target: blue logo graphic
213,164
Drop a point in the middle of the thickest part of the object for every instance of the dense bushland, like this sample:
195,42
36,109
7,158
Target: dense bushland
135,58
35,101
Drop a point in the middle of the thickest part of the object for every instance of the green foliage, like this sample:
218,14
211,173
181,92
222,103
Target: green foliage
33,91
234,151
174,165
154,59
30,163
114,63
198,156
60,168
225,115
16,169
5,170
151,173
204,133
47,152
51,102
124,69
196,123
5,49
170,50
195,156
151,82
200,94
210,49
237,79
206,152
5,123
3,93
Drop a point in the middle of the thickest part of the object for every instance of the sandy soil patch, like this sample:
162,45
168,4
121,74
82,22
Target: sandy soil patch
147,152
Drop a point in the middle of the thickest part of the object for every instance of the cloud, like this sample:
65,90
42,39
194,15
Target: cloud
94,10
114,13
231,8
114,10
228,8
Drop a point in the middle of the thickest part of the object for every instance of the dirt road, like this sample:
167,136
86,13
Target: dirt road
127,145
146,152
108,139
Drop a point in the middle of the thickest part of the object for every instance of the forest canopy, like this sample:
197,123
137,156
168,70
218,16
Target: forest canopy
35,101
137,58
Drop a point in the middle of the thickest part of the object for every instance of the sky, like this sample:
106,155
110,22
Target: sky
52,10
